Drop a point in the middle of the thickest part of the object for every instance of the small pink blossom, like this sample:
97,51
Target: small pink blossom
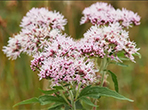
107,41
39,28
14,48
64,69
41,17
103,13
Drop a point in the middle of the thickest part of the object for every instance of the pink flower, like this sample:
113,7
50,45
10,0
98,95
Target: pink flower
103,13
14,47
32,43
98,13
41,17
39,28
62,62
107,41
64,69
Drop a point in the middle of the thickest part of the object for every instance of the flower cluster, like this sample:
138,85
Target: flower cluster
63,63
60,58
55,55
103,13
107,41
63,69
13,49
42,18
38,29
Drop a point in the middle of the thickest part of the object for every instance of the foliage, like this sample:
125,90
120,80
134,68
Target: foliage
60,101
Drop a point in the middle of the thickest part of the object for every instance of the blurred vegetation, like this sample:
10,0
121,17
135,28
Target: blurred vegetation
18,82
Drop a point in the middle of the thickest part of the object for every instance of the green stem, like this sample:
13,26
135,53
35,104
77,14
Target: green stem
65,98
102,70
103,67
95,102
77,92
72,100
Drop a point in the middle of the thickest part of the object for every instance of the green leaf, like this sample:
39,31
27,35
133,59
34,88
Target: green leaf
28,101
46,99
58,87
87,101
85,92
67,107
48,92
78,105
137,54
56,106
85,89
66,85
124,59
119,64
120,54
114,78
95,95
85,106
102,91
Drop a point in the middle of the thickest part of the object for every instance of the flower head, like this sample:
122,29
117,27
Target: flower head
64,69
14,48
107,41
103,13
63,63
39,28
31,43
41,17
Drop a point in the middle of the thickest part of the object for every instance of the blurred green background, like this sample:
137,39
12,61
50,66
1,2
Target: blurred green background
18,82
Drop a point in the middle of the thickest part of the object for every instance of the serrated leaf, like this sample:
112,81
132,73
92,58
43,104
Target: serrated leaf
114,79
102,91
58,87
46,99
87,101
28,101
48,92
55,106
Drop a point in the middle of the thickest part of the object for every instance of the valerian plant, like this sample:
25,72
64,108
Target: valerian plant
76,69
